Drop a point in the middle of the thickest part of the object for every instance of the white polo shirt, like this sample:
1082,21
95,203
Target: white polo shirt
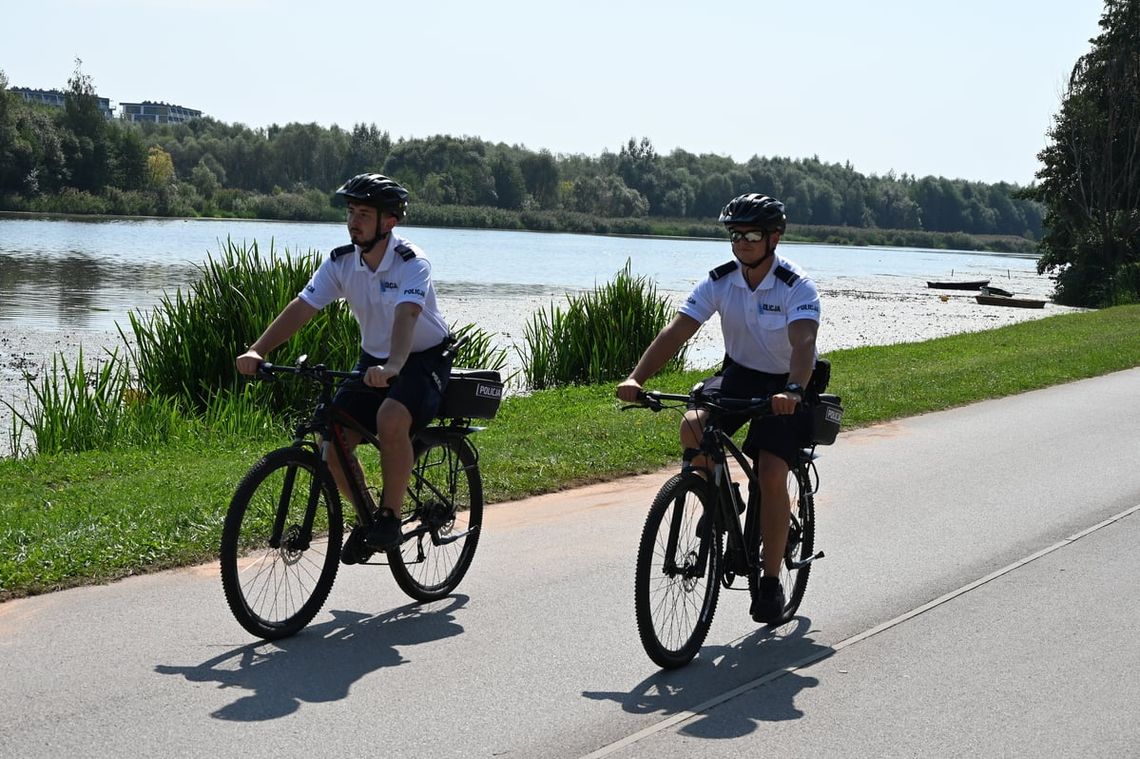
755,322
404,276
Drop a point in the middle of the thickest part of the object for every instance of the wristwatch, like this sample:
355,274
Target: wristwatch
793,387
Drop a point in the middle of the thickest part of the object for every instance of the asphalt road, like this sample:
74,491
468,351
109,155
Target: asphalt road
978,599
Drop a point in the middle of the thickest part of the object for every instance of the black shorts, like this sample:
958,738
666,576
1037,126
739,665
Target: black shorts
419,388
782,435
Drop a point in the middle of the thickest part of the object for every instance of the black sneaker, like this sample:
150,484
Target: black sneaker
385,532
354,551
768,604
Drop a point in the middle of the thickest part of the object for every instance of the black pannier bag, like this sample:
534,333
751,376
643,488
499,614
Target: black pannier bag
472,394
826,416
820,376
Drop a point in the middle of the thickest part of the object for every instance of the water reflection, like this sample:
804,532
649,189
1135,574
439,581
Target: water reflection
88,274
74,290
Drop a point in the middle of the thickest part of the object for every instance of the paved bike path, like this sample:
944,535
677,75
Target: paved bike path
1040,660
537,655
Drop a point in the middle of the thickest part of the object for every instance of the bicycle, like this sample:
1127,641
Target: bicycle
282,536
694,542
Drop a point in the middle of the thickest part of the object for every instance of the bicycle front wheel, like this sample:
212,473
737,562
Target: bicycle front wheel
281,543
677,581
443,514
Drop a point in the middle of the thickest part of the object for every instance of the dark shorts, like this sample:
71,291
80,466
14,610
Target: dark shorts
419,389
782,435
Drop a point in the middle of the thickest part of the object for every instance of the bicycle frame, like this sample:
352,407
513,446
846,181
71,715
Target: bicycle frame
329,423
742,541
742,553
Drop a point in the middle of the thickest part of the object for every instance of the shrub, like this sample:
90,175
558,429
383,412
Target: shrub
185,347
599,337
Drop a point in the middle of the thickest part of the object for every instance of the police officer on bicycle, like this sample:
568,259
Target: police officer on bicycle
387,283
769,315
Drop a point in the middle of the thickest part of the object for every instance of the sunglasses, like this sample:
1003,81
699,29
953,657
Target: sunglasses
736,236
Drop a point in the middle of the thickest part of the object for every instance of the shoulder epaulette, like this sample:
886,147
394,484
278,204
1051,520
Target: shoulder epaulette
787,276
406,251
343,250
722,270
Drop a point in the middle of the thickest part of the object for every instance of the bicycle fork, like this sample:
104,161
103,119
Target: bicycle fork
299,538
691,567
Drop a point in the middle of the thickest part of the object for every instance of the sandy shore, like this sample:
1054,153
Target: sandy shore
872,311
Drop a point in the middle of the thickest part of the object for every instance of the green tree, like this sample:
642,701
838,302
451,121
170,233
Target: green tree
510,186
160,167
205,181
541,174
131,159
458,167
1090,182
606,196
12,155
89,153
368,148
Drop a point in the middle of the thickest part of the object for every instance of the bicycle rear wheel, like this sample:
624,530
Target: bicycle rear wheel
443,514
677,579
280,544
801,544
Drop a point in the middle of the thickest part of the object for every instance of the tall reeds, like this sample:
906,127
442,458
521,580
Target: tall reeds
599,336
185,347
84,406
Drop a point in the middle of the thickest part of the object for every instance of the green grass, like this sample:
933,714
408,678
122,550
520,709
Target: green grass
95,516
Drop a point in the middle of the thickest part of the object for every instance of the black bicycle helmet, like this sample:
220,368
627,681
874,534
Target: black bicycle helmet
755,209
378,191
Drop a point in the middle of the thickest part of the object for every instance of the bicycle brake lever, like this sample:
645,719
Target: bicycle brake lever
264,372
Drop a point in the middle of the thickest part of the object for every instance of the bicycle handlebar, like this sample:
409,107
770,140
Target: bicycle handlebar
655,400
321,373
316,372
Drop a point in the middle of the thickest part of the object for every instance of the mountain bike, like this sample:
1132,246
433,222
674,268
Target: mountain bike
282,537
694,540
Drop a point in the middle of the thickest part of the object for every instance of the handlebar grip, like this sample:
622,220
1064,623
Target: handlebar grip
265,372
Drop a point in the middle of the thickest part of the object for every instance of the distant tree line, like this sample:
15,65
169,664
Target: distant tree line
75,161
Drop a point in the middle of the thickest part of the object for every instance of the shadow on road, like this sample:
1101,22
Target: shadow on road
718,670
322,662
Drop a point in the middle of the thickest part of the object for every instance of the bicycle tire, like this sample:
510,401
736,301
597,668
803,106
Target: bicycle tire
800,546
443,510
274,592
674,602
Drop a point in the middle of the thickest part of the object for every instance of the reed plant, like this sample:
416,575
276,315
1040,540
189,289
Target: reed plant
185,347
479,351
599,336
79,407
87,407
68,410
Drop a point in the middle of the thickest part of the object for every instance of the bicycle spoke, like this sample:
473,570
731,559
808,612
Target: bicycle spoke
274,592
443,513
674,595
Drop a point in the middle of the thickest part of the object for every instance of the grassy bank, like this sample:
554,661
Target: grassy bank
80,518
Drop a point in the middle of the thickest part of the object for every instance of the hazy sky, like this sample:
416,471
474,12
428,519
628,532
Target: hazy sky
958,89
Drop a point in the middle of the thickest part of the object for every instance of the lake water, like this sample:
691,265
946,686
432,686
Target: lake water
64,274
